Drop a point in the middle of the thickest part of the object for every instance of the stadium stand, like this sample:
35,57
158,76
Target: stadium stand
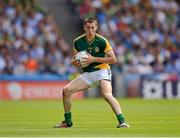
31,41
145,34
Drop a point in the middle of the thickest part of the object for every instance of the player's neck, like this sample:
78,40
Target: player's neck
90,38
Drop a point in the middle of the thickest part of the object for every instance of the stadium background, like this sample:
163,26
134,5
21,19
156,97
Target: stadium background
36,39
36,46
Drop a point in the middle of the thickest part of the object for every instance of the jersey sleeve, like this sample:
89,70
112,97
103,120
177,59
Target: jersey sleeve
75,47
107,46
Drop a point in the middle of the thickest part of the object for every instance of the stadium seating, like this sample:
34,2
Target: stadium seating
145,35
31,41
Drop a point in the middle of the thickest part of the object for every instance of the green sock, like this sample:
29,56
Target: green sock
120,118
68,117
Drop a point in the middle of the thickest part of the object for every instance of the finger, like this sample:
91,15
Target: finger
88,54
77,61
85,58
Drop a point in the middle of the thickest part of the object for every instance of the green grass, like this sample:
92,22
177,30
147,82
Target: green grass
92,117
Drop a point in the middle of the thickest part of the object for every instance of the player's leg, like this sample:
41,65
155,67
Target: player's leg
106,91
74,86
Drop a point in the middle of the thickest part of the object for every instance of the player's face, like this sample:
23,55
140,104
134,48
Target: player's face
90,29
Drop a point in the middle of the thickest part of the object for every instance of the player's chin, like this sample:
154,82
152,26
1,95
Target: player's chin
90,34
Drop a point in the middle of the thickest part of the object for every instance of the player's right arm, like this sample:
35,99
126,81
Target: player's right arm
73,61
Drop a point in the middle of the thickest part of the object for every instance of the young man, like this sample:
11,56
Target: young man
98,70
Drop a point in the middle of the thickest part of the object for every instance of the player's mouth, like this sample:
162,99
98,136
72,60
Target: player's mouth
90,34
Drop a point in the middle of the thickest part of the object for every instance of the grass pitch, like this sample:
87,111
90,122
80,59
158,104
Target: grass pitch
91,117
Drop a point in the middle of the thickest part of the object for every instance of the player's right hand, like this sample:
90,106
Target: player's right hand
76,62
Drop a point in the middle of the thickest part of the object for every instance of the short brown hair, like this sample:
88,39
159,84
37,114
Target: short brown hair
89,20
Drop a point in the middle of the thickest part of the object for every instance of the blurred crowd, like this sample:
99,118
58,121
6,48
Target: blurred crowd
145,34
30,40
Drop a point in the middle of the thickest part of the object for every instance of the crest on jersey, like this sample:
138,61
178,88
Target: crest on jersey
96,49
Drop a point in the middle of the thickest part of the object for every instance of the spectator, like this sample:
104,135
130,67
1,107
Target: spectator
147,30
35,38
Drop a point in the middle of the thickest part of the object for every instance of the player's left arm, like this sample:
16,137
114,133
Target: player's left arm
109,58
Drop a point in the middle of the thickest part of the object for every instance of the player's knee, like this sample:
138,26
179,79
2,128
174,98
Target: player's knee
66,91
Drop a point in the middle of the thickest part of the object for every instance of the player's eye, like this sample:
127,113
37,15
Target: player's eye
92,28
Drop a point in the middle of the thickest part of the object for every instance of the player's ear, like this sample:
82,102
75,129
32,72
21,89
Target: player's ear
84,27
96,27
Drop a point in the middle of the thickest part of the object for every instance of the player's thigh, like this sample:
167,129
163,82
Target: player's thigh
105,87
76,85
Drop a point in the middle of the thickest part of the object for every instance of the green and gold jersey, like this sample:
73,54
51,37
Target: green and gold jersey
97,48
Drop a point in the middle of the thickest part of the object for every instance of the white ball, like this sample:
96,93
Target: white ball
79,57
